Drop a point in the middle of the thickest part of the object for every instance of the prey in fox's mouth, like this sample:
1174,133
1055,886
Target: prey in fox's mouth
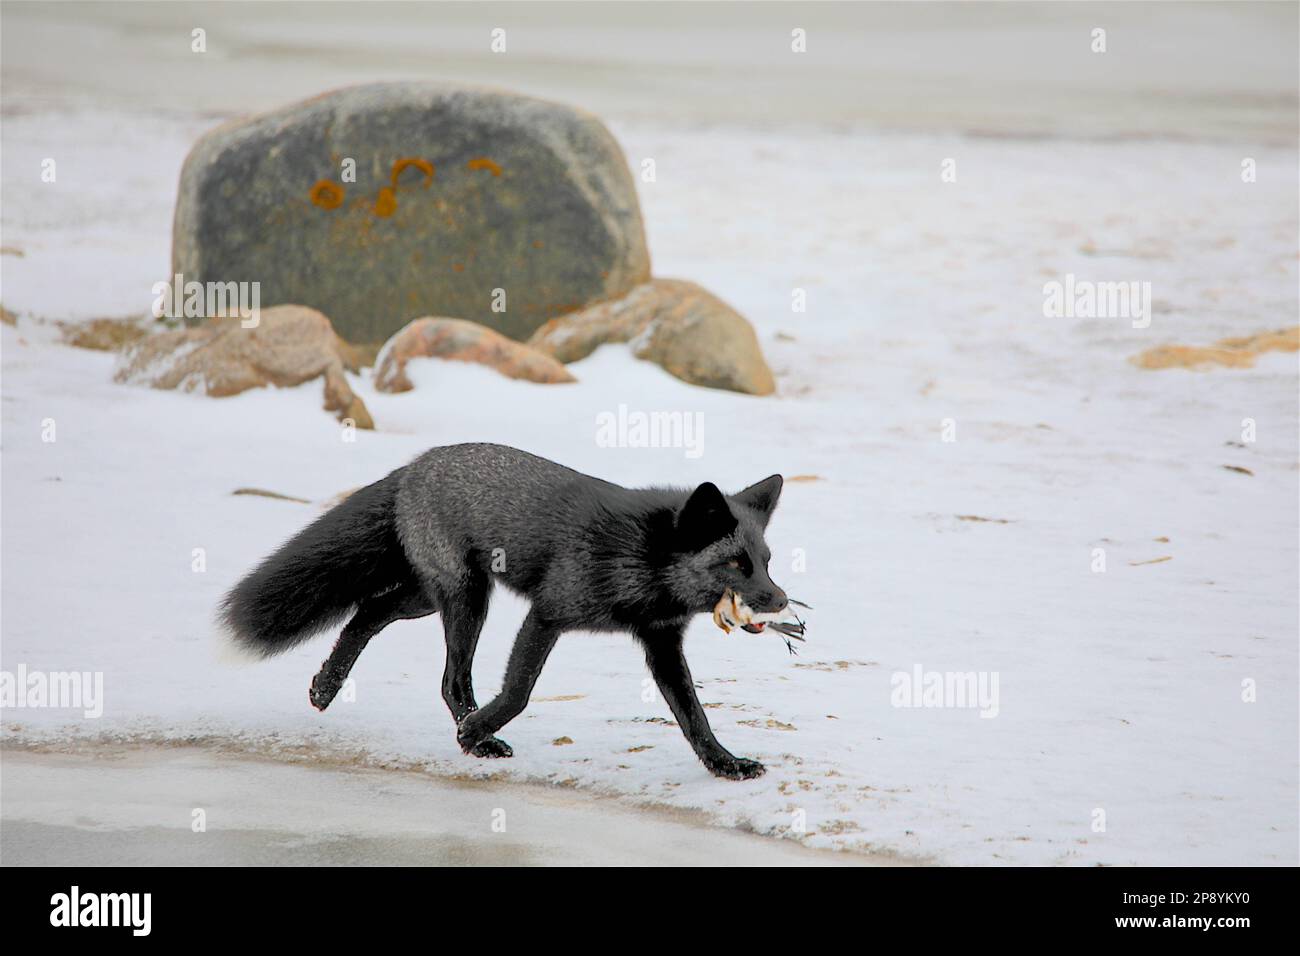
731,612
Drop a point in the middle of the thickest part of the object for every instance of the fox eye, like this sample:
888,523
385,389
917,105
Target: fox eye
741,563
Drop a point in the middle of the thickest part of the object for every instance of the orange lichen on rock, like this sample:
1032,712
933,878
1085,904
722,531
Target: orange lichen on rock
386,203
402,165
327,194
482,162
1231,353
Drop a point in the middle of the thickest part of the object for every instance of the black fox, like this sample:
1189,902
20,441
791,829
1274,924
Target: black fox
435,535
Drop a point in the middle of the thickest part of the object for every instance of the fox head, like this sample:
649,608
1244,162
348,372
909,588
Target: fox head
720,545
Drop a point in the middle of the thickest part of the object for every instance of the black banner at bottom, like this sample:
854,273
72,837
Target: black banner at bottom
213,905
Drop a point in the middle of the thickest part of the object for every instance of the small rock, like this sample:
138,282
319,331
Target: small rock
464,342
290,345
7,317
562,741
340,398
678,325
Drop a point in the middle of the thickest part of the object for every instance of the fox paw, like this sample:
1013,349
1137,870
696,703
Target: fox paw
477,746
323,691
737,768
490,747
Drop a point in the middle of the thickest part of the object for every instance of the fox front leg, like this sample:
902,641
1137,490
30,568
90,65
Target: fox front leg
663,652
476,729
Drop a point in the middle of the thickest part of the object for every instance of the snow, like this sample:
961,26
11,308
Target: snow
1119,691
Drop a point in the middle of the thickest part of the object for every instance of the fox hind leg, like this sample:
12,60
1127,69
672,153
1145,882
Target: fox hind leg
408,600
462,620
464,611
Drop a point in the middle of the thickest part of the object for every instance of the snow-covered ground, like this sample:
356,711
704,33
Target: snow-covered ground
1119,692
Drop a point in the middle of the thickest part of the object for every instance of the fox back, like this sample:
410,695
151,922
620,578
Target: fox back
589,553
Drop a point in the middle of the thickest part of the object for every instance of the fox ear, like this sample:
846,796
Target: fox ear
762,496
705,518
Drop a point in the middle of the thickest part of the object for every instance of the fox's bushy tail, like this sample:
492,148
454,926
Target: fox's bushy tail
312,582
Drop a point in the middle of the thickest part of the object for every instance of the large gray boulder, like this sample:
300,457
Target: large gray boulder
459,192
